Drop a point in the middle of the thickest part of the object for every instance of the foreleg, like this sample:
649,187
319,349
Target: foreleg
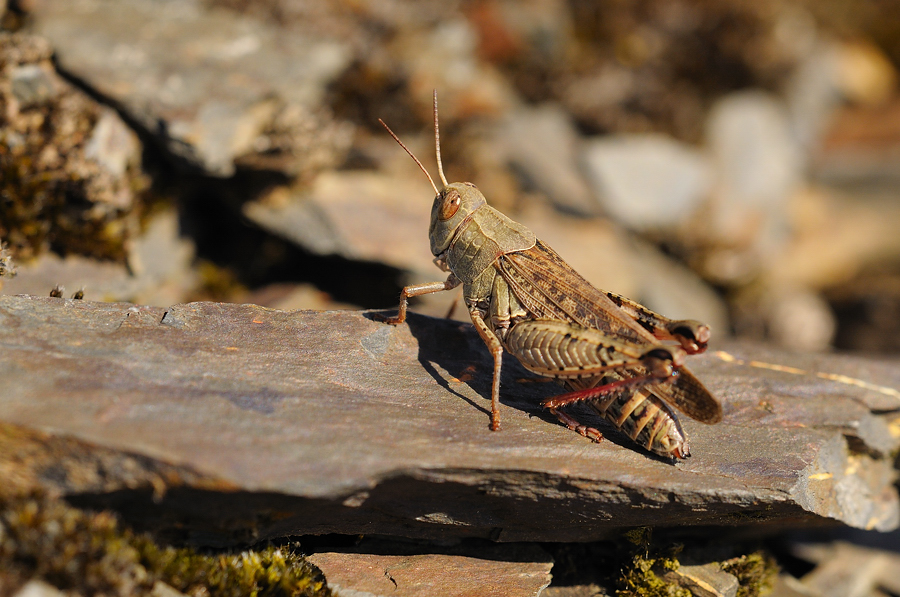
418,290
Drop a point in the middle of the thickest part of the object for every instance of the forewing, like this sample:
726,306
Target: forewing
691,397
549,288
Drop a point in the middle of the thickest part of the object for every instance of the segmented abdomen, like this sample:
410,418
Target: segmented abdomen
644,418
584,358
562,350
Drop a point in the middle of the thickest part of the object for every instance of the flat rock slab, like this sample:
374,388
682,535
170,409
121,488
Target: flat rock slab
503,574
331,422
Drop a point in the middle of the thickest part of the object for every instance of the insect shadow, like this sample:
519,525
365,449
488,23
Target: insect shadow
456,348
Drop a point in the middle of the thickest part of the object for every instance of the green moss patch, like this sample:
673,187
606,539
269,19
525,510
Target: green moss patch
90,553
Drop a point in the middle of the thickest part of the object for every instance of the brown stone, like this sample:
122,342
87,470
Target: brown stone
424,575
330,422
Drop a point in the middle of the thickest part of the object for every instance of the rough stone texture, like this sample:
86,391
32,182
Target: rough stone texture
213,85
504,573
329,422
707,580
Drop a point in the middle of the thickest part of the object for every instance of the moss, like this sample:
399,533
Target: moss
638,577
640,580
641,575
89,553
756,573
53,193
216,284
639,536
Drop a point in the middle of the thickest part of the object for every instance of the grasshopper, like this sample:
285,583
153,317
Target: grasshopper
613,353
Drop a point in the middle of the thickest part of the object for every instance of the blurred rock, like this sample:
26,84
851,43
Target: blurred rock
799,319
158,273
847,570
293,297
160,261
758,167
444,57
366,216
813,95
647,182
70,167
525,38
113,145
788,586
846,142
329,422
836,235
33,85
161,589
501,572
214,86
38,588
861,147
102,280
542,145
865,74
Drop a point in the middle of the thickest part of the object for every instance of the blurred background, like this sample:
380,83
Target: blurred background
733,161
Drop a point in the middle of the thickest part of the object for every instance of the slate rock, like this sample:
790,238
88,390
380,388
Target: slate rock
330,422
212,85
706,580
503,572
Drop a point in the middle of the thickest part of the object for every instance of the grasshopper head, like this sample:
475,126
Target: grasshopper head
453,204
452,207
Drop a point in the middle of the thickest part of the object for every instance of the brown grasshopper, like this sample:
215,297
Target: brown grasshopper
605,349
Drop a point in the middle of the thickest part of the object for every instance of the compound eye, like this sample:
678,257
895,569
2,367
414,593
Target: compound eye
450,205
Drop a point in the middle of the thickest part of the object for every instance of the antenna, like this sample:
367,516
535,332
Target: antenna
437,142
397,139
